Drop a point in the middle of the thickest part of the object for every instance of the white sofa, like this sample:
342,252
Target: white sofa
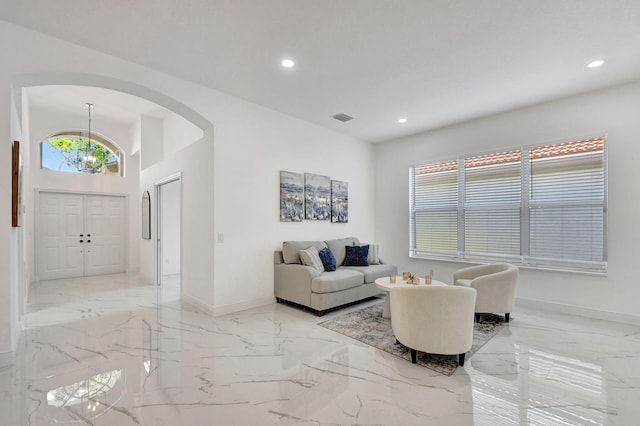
433,319
495,283
320,291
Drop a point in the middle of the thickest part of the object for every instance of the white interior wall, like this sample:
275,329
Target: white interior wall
170,232
197,231
15,290
23,285
253,144
614,112
151,141
178,133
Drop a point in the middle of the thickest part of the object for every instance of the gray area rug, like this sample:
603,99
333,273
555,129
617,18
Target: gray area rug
367,325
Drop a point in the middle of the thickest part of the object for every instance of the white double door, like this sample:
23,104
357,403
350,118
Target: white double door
80,235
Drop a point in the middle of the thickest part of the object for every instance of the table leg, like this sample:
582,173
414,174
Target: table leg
386,311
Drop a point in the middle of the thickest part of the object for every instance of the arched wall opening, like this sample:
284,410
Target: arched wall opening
142,251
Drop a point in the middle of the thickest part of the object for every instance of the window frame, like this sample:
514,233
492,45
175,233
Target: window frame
523,259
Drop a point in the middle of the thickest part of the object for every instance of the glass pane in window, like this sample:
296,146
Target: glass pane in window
70,153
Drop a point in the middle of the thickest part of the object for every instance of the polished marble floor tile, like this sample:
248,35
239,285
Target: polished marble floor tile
113,350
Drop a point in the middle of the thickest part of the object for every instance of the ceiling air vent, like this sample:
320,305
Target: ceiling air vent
342,117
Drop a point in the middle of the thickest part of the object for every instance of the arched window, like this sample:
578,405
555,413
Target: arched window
74,152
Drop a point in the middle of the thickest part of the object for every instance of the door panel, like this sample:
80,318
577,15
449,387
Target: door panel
106,224
60,226
63,218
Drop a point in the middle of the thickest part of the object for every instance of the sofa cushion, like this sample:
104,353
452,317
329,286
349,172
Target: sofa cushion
311,257
328,261
291,249
337,247
373,272
339,280
356,256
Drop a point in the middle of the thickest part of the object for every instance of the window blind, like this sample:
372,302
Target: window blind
434,210
542,206
492,204
568,204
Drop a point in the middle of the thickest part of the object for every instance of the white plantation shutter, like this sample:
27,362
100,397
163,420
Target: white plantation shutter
542,206
434,209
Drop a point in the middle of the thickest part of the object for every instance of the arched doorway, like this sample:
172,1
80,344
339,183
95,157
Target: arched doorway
133,184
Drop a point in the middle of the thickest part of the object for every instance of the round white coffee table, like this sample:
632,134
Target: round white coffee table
385,284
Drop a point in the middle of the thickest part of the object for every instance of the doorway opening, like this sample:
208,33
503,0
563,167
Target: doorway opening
169,231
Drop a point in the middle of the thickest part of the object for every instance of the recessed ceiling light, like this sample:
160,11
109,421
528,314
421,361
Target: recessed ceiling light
287,63
595,64
402,120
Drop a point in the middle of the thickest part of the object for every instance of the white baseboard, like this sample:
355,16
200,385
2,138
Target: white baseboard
579,311
197,304
204,308
237,307
6,358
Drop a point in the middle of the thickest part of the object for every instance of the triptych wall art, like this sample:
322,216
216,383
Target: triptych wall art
313,197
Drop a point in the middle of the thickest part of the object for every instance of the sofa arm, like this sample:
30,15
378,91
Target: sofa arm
292,282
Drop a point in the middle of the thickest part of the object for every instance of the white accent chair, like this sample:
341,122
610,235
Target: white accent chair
495,283
433,319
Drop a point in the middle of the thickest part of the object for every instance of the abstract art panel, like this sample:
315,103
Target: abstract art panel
339,201
317,197
291,197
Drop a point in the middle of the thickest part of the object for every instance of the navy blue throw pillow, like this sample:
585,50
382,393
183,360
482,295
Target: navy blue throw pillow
357,256
328,259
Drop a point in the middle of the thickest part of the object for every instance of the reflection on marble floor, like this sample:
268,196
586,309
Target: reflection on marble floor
111,350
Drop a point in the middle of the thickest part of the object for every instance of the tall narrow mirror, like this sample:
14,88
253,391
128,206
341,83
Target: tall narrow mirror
146,215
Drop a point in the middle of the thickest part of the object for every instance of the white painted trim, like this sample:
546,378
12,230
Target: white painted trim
170,178
197,304
6,358
579,311
242,306
81,192
158,222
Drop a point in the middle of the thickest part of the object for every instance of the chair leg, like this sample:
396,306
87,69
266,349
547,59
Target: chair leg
461,359
414,356
506,317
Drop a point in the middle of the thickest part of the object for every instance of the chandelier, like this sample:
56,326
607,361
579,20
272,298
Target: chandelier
88,155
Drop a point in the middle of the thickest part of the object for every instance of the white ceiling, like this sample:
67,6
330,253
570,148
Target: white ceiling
435,62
